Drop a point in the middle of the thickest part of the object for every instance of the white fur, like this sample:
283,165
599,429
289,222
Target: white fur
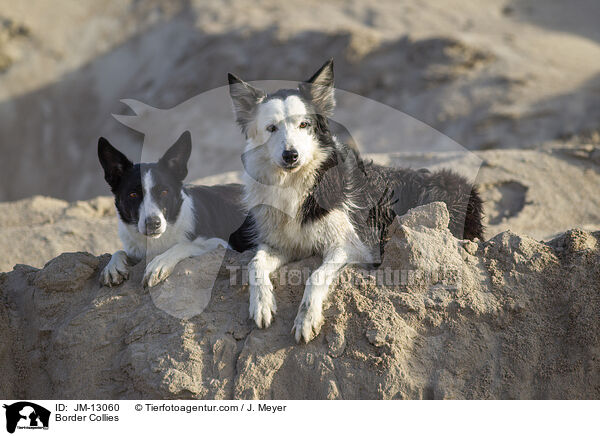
281,232
138,245
262,301
310,314
163,264
164,252
116,270
286,115
148,207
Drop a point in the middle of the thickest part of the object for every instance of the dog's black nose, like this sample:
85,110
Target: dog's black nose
290,156
152,224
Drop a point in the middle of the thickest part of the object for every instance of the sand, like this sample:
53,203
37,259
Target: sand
503,91
509,318
492,75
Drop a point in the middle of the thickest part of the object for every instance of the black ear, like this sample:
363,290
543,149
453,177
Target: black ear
319,89
245,97
176,157
113,162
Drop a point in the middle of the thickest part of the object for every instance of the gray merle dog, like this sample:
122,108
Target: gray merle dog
310,194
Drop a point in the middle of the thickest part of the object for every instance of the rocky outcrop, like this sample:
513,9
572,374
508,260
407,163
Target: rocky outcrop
440,318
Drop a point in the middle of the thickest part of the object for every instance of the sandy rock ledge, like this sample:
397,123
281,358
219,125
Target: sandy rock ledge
508,318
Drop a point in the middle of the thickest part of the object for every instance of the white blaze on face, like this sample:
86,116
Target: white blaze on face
286,115
149,208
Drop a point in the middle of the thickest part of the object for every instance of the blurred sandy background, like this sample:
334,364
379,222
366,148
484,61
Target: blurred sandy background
517,82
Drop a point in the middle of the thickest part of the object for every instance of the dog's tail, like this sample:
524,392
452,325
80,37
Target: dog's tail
462,199
474,227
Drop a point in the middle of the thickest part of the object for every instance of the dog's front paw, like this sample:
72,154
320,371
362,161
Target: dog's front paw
262,304
116,271
308,322
158,270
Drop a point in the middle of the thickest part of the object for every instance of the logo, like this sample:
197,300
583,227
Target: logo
26,415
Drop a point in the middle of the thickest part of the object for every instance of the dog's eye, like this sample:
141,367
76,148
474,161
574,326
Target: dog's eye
272,128
304,124
133,194
164,192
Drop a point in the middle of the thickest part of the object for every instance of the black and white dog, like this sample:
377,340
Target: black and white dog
160,218
309,194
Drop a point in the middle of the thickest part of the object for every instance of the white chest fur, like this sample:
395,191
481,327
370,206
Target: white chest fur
280,223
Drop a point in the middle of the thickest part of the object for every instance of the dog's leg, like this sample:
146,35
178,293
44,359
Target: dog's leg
116,270
262,301
162,265
310,313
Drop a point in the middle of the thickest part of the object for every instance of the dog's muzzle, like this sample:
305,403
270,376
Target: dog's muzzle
290,158
152,226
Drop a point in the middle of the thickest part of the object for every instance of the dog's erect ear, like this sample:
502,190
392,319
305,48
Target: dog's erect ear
113,162
319,89
176,157
245,97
